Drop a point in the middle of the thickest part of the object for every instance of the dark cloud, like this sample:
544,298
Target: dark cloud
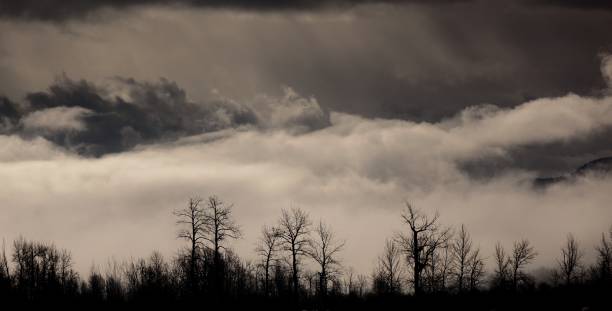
9,115
546,159
498,54
581,4
58,10
95,120
418,62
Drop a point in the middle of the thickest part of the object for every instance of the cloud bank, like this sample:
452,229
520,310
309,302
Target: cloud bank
354,173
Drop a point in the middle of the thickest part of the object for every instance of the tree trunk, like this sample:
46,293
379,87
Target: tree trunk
295,274
417,264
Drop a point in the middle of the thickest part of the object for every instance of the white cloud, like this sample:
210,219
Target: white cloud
56,119
291,111
15,149
539,121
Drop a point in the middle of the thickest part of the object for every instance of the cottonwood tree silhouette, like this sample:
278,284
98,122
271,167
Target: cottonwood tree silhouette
267,249
324,249
295,236
446,270
387,278
218,226
192,221
423,237
570,261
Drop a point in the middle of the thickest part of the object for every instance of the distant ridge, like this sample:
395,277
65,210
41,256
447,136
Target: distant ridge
601,166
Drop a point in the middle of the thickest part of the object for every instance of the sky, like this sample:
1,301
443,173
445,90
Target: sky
113,115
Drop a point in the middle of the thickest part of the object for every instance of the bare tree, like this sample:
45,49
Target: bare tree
604,258
191,219
349,281
522,254
4,266
39,268
389,272
5,273
502,266
362,283
323,250
295,237
219,226
439,268
569,264
462,252
421,242
268,245
477,269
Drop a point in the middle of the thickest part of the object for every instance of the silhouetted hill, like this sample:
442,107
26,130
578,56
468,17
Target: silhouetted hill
600,167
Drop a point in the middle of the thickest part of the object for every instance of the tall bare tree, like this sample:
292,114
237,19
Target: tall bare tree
191,219
604,258
324,249
569,263
5,273
355,283
425,235
477,269
295,236
349,281
462,253
362,283
522,254
389,272
502,266
268,245
4,266
439,268
219,224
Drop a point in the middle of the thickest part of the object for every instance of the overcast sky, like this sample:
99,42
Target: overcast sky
113,115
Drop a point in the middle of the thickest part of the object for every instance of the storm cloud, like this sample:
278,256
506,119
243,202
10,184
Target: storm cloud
63,10
58,10
95,120
415,61
547,136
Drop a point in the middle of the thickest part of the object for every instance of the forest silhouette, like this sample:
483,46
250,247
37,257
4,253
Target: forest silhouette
426,266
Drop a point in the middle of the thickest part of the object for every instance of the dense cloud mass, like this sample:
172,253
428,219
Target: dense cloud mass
95,120
62,9
354,174
345,108
415,61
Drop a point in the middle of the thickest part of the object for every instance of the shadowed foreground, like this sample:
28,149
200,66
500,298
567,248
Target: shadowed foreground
427,266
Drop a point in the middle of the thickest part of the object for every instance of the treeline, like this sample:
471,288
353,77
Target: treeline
427,265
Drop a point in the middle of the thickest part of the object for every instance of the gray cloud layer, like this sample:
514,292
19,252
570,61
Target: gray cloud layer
58,10
95,120
548,136
414,62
